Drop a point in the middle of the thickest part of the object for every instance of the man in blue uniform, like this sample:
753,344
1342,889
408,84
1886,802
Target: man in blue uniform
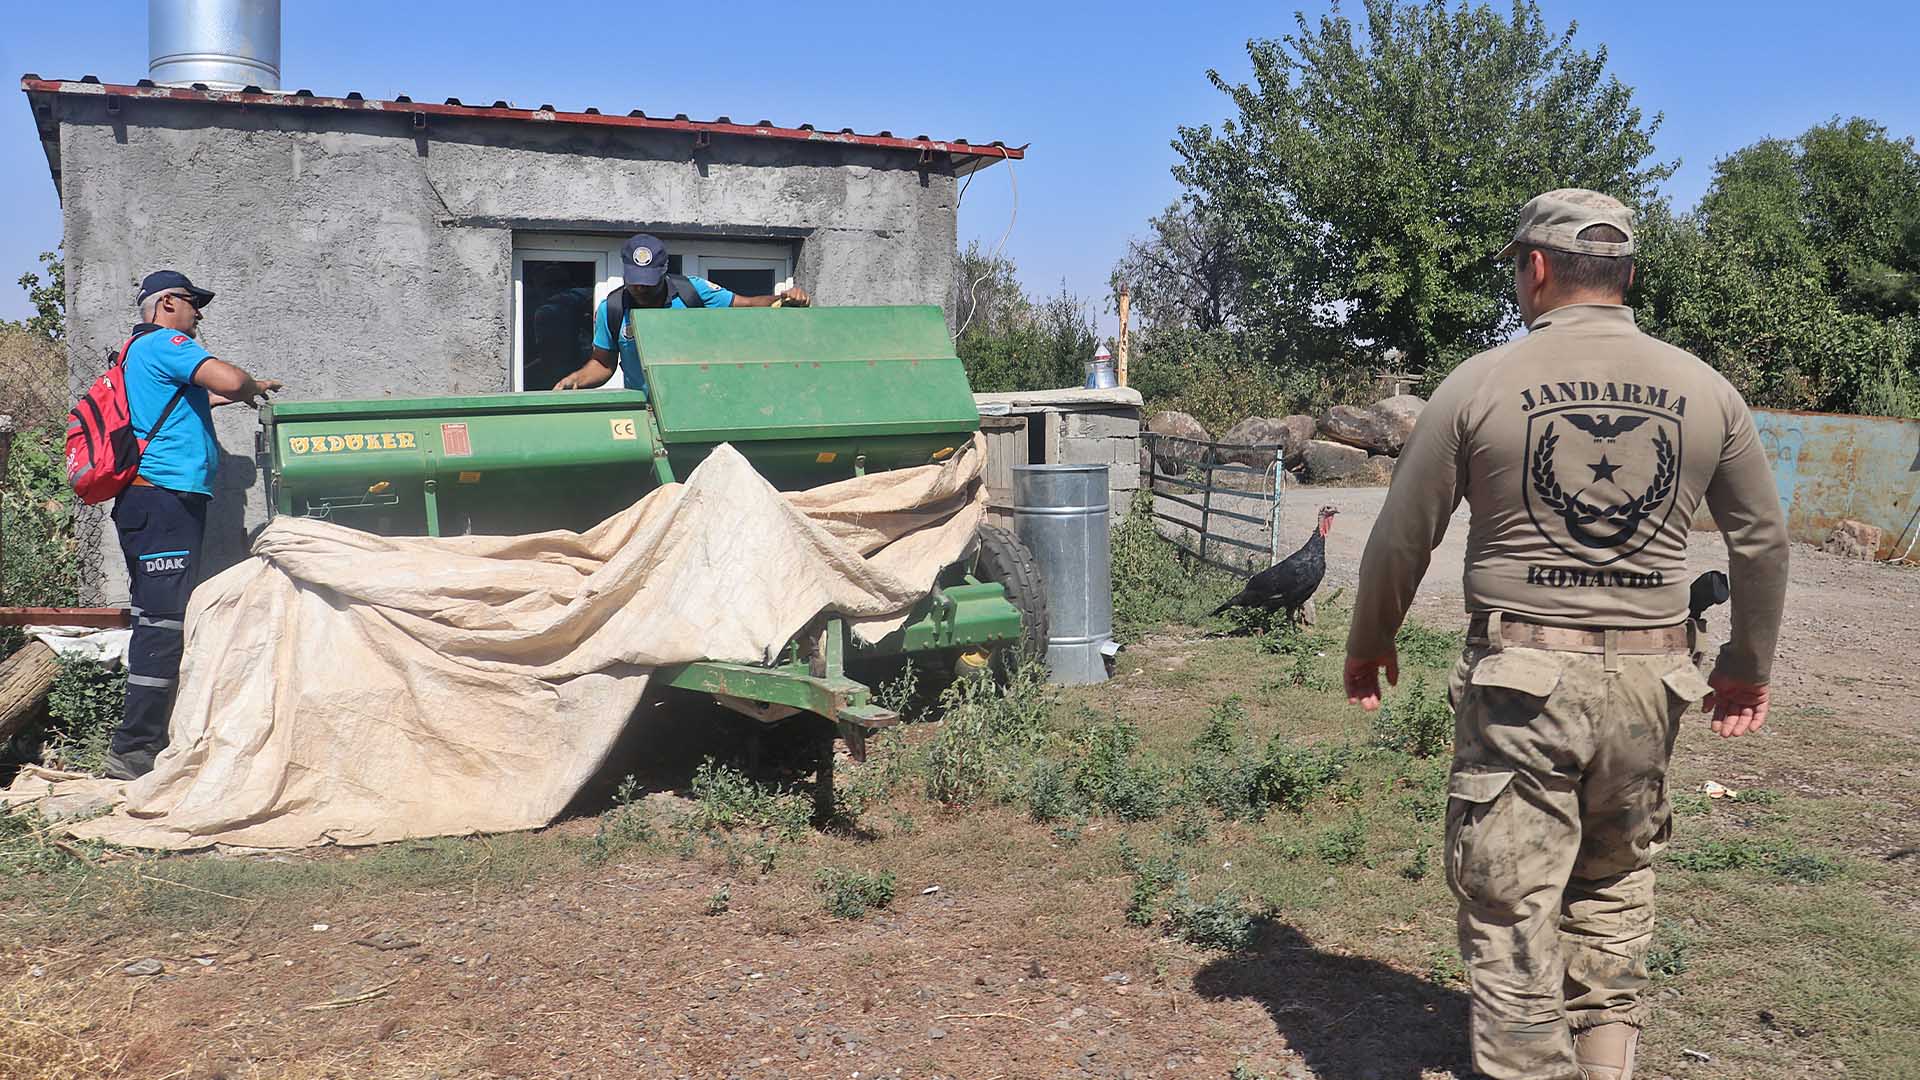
172,386
643,265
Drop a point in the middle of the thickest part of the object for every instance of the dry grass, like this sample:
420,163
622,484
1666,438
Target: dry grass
50,1031
1787,940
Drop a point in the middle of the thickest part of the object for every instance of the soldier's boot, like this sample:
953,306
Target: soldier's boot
1606,1052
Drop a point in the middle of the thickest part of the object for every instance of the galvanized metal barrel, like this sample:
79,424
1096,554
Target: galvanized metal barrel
1060,513
225,44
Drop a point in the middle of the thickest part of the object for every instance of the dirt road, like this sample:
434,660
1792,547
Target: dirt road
1849,644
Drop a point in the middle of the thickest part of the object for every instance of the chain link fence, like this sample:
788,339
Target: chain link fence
46,537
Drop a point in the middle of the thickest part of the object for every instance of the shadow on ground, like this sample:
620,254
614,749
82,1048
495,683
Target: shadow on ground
1349,1017
673,732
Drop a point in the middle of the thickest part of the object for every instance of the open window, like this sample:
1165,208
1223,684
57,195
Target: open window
559,281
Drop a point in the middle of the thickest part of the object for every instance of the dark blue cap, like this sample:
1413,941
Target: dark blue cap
643,260
166,280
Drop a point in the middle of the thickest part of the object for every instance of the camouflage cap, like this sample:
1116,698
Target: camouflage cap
1554,221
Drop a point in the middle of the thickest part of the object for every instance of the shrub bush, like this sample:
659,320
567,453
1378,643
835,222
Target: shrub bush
1112,779
83,708
1222,924
1291,775
1150,585
1416,721
727,799
850,894
988,737
39,552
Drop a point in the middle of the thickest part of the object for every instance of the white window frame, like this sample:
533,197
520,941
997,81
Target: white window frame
697,257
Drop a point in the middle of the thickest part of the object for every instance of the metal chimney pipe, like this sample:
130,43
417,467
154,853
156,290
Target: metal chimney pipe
226,44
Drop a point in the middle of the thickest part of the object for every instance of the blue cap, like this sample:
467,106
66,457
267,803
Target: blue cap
165,280
643,260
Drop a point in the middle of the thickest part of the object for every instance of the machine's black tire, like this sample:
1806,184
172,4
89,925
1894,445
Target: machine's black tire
1006,561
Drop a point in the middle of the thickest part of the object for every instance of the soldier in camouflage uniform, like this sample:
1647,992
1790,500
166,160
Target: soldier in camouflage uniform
1585,449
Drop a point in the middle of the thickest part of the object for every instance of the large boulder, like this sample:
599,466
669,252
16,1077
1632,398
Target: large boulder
1379,469
1176,426
1291,434
1396,416
1356,427
1300,431
1327,462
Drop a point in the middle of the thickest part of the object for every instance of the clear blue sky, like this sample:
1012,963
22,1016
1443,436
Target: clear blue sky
1097,89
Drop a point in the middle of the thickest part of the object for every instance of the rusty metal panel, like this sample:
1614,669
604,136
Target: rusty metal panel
1830,467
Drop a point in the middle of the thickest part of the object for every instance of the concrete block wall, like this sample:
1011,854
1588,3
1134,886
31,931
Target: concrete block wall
357,257
1084,427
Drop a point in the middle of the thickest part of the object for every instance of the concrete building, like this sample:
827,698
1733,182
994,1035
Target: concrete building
363,248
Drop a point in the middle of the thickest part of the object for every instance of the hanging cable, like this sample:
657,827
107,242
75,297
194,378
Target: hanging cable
973,301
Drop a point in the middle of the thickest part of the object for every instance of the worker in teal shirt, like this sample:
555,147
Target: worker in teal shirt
173,384
643,266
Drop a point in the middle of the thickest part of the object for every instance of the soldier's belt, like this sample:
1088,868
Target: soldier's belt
1501,630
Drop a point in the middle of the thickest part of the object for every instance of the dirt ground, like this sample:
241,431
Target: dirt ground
1003,956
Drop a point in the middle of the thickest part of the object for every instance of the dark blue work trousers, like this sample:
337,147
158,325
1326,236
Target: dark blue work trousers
161,534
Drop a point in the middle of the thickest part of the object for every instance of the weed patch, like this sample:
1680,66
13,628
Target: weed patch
1344,844
1416,721
1668,957
1113,779
1444,967
1291,775
988,737
850,894
1221,924
1778,857
726,799
1050,794
625,826
1153,876
1151,587
83,707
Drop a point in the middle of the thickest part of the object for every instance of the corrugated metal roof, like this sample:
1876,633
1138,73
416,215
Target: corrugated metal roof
967,156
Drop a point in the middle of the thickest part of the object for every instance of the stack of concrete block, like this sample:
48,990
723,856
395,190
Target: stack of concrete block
1080,427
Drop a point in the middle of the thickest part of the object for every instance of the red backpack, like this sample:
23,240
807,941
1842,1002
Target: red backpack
103,453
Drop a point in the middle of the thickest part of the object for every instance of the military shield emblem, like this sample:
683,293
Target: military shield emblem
1601,478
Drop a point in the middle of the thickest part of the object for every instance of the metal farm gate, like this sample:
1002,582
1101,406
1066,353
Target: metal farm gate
1218,503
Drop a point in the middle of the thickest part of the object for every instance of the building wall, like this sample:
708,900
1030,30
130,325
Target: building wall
357,257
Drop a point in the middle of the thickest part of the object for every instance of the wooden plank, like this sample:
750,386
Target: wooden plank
110,618
1006,447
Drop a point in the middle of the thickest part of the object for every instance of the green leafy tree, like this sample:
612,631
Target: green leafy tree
1008,340
49,298
1798,276
1376,165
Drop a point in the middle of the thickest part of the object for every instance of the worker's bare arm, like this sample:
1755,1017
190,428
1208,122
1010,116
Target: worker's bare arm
595,372
226,384
794,297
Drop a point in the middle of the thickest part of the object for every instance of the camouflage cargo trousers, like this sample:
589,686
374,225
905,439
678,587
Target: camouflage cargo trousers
1557,804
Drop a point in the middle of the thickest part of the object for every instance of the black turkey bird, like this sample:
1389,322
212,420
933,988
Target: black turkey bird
1287,585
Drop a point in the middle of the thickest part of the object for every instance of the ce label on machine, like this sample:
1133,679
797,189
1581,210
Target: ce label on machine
623,428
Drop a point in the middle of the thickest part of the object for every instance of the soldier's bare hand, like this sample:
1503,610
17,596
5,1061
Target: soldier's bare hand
796,297
1363,678
1738,708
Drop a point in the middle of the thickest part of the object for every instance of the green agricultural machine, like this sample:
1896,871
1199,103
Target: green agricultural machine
809,396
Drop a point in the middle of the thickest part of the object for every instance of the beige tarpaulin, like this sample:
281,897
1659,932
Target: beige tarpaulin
341,687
